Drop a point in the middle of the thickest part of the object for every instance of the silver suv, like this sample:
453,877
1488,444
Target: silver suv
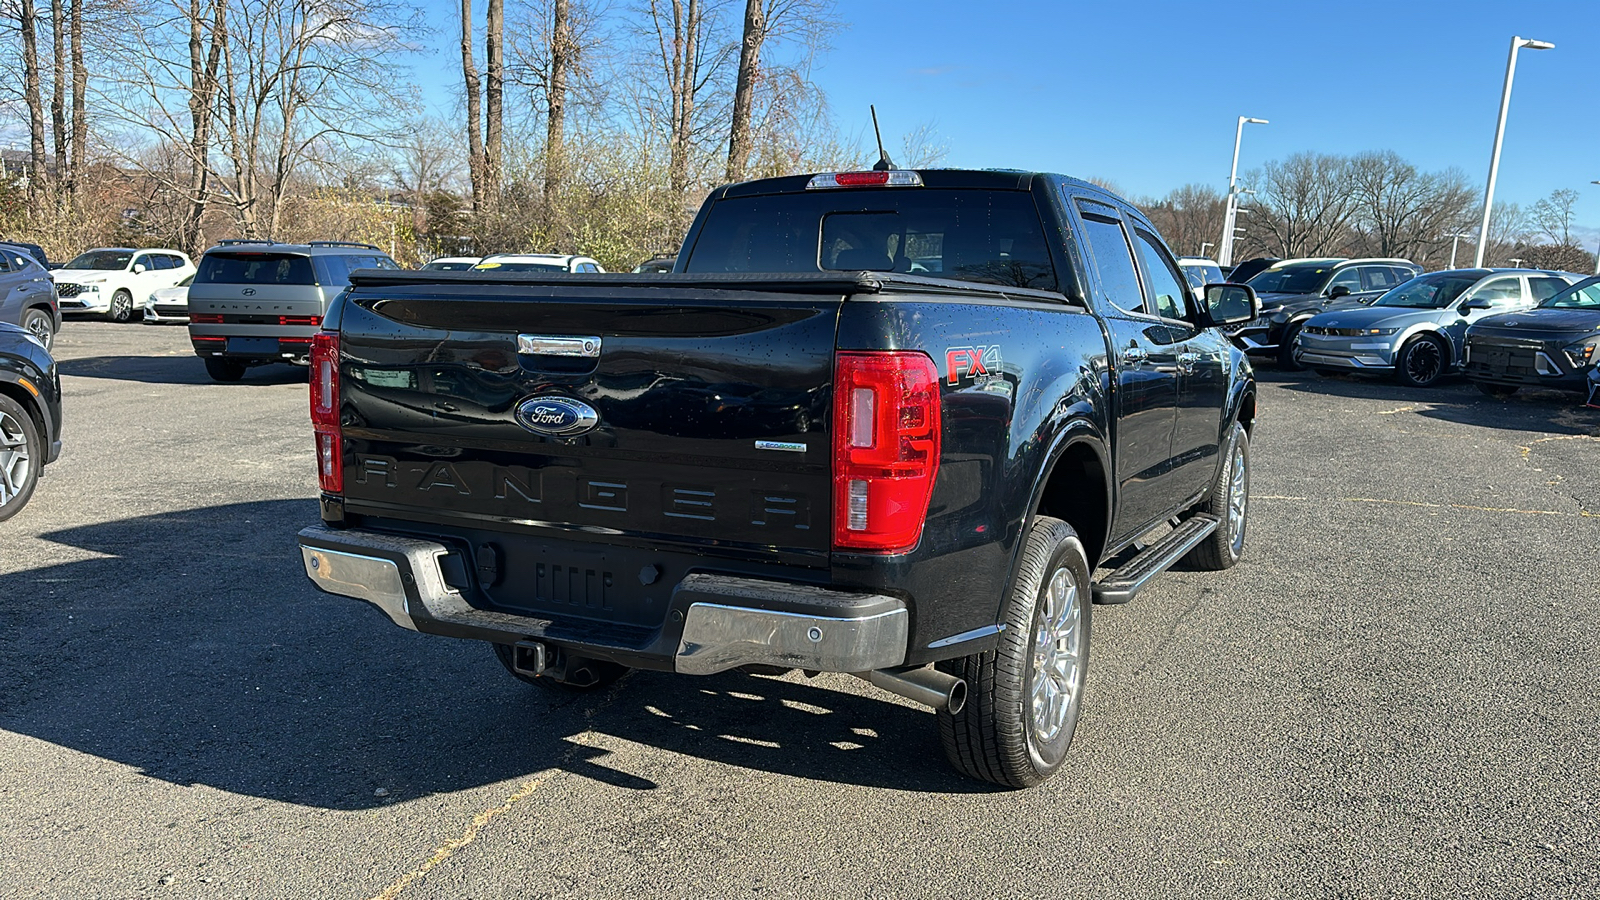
255,302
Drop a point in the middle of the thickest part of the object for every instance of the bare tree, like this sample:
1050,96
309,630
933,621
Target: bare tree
1304,206
562,51
1405,213
494,100
755,34
474,89
922,147
1189,217
1553,215
79,145
691,62
28,21
299,76
58,83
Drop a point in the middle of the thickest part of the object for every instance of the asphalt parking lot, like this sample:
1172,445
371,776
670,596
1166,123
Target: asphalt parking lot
1392,695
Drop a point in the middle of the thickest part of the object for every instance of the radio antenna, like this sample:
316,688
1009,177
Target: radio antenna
884,163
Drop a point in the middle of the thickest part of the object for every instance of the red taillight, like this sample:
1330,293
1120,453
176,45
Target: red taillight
205,318
325,411
885,448
312,321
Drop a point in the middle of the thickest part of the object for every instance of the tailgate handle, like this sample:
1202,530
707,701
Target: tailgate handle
554,345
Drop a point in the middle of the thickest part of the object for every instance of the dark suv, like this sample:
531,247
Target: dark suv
1294,290
254,302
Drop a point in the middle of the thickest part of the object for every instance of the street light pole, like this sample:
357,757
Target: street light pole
1225,251
1517,43
1455,239
1596,249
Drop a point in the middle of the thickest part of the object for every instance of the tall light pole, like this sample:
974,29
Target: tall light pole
1225,253
1517,43
1596,249
1454,240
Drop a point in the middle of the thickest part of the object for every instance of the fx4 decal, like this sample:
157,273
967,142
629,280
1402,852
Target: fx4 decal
976,363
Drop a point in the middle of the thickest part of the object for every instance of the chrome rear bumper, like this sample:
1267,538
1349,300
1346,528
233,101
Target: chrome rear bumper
714,623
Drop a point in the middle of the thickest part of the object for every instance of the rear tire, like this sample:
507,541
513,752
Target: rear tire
21,455
41,325
1498,391
593,674
1230,503
1024,696
224,370
121,307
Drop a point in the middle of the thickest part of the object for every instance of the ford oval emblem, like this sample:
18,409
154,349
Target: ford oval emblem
556,416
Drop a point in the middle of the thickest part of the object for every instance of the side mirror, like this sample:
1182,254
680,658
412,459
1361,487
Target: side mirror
1471,305
1228,304
138,268
1339,290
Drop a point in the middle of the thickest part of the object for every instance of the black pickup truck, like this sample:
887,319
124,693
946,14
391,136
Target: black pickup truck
885,423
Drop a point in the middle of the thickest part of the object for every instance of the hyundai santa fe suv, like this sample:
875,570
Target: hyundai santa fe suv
254,302
1294,290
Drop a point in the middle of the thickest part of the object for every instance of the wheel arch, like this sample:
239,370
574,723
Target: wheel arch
1078,459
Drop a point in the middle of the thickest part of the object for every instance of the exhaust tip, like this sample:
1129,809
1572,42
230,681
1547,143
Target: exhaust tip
958,697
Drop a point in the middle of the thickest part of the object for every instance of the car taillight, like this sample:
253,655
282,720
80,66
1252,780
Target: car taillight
205,318
325,411
886,427
312,321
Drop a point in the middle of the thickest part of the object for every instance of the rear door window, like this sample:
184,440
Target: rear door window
1108,246
1377,278
254,268
1545,288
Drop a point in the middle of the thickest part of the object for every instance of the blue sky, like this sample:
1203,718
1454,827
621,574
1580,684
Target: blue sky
1146,94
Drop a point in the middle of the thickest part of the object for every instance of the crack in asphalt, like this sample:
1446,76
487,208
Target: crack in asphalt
480,821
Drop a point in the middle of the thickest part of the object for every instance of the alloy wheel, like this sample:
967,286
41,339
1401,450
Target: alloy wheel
1057,656
1238,497
15,460
1424,362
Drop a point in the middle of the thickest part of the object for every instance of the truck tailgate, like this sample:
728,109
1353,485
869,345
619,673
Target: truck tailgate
712,410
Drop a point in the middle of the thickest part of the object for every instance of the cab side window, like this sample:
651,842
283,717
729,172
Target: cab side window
1166,287
1108,246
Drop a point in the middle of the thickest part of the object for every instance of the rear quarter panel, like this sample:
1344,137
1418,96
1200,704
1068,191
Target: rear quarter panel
1015,376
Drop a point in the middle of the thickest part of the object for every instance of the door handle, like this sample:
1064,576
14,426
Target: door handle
1186,362
1134,355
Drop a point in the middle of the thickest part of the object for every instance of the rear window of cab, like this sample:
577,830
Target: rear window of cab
988,236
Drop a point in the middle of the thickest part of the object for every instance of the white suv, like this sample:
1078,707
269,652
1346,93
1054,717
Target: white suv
106,280
536,262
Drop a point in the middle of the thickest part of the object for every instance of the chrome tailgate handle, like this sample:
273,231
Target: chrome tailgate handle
555,345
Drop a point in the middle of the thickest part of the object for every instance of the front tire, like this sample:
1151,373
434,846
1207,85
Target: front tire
1287,358
121,307
21,455
1024,696
41,325
224,370
1421,361
1229,501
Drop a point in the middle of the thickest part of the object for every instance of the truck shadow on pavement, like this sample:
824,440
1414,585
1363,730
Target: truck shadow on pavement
195,652
185,369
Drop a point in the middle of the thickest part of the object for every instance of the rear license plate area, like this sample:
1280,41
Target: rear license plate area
255,346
